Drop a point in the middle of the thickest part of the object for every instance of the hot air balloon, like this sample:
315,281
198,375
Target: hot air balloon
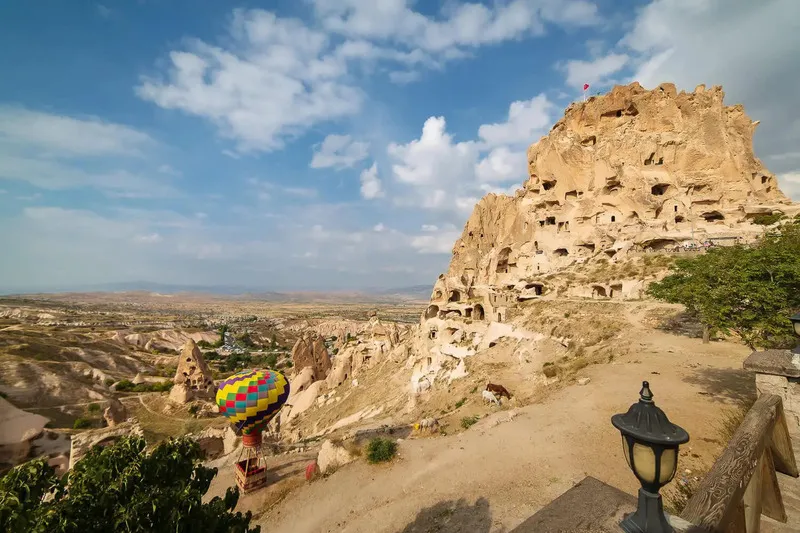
250,399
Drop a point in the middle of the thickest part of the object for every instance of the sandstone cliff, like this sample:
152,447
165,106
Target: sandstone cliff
619,176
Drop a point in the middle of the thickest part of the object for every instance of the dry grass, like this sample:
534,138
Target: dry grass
682,490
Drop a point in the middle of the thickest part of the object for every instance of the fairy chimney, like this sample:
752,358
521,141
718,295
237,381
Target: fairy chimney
193,379
311,351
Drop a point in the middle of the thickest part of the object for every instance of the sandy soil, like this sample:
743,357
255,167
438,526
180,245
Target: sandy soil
499,472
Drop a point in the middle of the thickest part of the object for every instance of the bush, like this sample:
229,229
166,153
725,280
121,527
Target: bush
469,421
108,382
82,423
380,450
461,402
93,408
125,385
121,487
767,220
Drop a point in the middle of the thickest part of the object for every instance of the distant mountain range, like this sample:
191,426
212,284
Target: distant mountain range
415,292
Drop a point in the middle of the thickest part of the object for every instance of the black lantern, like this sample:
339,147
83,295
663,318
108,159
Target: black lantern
796,323
650,443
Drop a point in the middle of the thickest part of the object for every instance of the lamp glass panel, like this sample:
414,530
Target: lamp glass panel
626,451
644,462
796,327
669,462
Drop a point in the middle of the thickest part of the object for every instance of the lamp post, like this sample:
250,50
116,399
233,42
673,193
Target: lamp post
796,323
650,443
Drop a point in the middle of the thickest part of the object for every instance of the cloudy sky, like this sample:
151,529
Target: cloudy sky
325,144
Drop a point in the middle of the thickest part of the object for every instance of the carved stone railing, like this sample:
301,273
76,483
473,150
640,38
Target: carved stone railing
742,485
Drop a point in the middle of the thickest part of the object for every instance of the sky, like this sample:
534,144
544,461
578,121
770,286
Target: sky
325,144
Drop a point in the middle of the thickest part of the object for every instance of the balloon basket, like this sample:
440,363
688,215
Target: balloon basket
251,468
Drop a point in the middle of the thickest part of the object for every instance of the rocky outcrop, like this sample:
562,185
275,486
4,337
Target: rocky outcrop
332,456
619,176
83,442
193,379
115,413
310,351
18,429
375,341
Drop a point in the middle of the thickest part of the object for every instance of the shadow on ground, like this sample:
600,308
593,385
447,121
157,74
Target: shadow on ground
725,384
453,517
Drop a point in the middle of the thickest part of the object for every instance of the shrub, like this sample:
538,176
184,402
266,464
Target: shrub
121,487
108,382
767,220
469,421
380,450
550,370
82,423
461,402
93,408
125,385
193,409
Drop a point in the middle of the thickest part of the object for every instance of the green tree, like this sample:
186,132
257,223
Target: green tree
223,329
121,488
750,291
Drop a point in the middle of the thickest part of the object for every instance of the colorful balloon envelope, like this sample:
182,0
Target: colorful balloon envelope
251,398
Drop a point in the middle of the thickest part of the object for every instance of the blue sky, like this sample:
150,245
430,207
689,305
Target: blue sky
324,144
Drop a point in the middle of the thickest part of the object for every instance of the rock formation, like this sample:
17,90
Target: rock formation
310,351
619,175
619,178
373,343
193,379
84,441
115,413
18,429
332,456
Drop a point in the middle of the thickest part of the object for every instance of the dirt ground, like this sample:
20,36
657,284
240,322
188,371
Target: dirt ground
499,472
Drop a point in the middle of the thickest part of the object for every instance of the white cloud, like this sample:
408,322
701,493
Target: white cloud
59,135
339,151
371,186
278,79
595,72
790,184
379,227
502,164
441,243
55,175
436,172
460,25
429,228
402,77
167,169
310,71
750,48
526,120
147,239
266,189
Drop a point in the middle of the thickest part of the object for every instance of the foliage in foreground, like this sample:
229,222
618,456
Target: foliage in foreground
750,291
380,450
120,488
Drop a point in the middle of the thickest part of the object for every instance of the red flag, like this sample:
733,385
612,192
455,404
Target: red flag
585,86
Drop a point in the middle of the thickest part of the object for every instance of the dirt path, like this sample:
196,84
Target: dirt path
499,472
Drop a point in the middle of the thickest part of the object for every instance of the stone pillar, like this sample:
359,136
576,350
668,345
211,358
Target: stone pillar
778,372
